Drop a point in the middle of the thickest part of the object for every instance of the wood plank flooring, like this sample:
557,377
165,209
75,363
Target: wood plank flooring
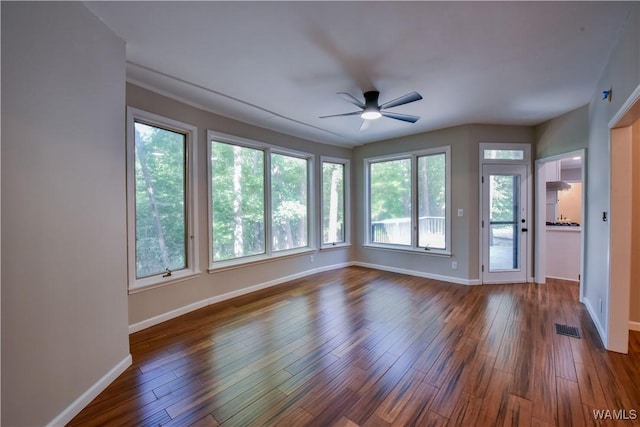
360,347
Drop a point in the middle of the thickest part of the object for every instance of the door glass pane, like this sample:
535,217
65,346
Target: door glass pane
503,222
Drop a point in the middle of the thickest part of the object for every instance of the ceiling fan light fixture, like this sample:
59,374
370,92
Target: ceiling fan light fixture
372,110
371,114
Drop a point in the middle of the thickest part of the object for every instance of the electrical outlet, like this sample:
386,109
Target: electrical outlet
311,259
600,305
454,265
460,212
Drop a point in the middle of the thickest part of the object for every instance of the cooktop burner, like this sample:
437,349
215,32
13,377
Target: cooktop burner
563,224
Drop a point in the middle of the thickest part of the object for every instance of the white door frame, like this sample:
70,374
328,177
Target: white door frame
526,160
617,316
518,275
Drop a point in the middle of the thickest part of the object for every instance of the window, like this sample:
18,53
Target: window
408,201
503,154
237,186
390,208
161,206
335,199
289,202
432,201
260,201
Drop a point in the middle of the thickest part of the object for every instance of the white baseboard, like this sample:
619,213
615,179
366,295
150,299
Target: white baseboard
135,327
634,326
449,279
594,318
563,278
81,402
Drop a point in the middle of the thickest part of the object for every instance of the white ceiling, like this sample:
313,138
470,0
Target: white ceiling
279,64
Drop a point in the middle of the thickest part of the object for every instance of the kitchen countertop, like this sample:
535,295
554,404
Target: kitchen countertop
570,228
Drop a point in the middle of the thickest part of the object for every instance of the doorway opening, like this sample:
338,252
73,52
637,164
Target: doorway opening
560,206
624,272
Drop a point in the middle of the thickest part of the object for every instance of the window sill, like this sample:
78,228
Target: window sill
336,246
175,278
258,259
433,252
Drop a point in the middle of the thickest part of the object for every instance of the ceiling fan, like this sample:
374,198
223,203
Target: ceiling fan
371,110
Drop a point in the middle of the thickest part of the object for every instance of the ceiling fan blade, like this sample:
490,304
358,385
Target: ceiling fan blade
355,113
365,125
404,99
350,98
404,117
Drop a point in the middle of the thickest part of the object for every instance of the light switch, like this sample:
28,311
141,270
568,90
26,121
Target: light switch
460,212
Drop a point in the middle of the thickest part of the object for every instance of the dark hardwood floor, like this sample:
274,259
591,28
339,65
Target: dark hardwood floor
360,347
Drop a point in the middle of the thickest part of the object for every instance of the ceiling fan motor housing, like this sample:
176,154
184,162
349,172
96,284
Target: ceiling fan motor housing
371,99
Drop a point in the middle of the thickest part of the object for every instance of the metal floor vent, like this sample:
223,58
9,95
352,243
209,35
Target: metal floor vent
570,331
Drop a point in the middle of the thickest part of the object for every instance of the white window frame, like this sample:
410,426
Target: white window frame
413,156
347,202
488,146
192,268
269,253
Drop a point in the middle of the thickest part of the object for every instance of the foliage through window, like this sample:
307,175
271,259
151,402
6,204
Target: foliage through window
390,204
501,154
289,208
394,185
237,194
432,201
334,198
160,201
257,196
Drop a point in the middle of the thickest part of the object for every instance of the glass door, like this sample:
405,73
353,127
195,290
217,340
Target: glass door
504,223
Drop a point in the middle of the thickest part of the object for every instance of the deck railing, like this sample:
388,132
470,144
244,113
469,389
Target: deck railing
431,231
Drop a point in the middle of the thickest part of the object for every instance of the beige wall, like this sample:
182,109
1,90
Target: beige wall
634,313
464,142
151,303
564,134
622,72
64,304
568,133
570,203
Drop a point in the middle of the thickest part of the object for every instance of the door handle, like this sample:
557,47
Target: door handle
524,230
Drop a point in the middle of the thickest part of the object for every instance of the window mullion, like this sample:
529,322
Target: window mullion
414,199
367,204
311,221
268,205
